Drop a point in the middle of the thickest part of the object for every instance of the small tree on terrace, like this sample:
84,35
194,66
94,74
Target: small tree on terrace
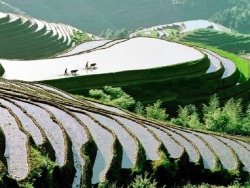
139,109
188,116
245,129
156,112
233,109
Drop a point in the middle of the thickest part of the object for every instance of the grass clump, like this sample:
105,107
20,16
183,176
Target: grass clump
41,172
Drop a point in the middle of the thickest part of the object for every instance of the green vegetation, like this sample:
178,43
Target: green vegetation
230,118
144,85
236,184
41,172
242,64
1,70
172,31
144,181
156,112
95,17
235,17
231,42
148,181
21,39
150,34
79,37
231,13
118,34
114,96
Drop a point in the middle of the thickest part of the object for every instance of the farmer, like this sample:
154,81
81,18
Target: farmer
87,65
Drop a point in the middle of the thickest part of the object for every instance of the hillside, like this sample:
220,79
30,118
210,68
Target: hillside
147,68
232,42
27,38
50,139
97,16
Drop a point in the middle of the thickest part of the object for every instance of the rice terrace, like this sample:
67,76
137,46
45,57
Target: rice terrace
165,105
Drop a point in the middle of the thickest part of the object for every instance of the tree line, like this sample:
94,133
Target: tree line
230,117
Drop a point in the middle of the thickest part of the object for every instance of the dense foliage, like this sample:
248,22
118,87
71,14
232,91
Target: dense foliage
235,17
230,118
96,16
230,13
114,96
1,70
118,34
80,37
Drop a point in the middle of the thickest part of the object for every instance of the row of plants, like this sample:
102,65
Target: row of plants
242,64
24,41
231,42
231,118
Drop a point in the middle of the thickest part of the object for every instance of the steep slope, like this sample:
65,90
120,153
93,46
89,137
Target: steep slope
28,38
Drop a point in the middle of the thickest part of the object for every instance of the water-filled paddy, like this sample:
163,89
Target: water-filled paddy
133,54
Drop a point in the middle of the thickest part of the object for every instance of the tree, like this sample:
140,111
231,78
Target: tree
245,128
139,109
188,117
233,109
118,34
156,112
214,118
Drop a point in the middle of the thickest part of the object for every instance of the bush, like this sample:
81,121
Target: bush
79,37
115,96
230,118
143,182
156,112
2,71
139,109
118,34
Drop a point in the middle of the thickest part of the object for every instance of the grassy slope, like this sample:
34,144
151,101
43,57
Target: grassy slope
242,64
231,42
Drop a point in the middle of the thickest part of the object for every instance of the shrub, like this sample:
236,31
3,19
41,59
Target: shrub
79,37
118,34
156,112
139,109
115,96
145,181
1,70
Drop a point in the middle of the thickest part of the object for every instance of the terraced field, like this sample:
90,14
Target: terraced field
48,138
27,38
167,30
137,64
231,42
91,143
114,56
